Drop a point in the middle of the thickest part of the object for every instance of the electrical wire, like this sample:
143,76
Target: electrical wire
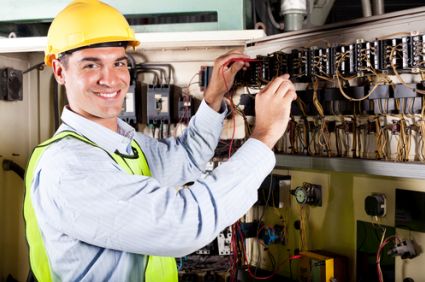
394,68
186,97
233,109
304,210
39,67
383,243
339,77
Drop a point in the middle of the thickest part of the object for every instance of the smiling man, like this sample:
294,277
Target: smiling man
97,80
101,201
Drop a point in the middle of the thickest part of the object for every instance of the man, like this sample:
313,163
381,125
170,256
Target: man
102,200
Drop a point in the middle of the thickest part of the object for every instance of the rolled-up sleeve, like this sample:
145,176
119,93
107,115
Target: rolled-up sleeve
176,161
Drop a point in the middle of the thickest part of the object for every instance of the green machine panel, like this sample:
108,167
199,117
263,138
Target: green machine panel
144,16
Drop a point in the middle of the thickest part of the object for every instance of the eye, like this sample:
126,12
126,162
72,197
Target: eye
121,64
90,66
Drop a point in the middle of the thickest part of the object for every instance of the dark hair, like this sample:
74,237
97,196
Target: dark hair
64,57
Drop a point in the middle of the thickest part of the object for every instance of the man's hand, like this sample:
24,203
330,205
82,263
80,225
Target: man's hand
223,76
272,109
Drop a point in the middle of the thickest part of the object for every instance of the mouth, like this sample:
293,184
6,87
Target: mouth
107,95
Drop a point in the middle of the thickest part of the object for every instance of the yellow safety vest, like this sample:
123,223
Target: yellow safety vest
158,269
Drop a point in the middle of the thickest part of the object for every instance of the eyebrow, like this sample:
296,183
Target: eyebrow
123,58
95,59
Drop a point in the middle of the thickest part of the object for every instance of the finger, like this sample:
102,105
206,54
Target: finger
278,79
235,51
275,84
285,76
293,95
290,96
284,88
236,66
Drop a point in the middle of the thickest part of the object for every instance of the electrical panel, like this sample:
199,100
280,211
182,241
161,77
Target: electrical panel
128,112
164,104
185,106
354,98
223,241
157,104
346,93
211,260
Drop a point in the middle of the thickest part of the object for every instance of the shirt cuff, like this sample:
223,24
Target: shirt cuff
223,107
205,116
254,151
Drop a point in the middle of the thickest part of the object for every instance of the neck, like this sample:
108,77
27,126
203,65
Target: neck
111,123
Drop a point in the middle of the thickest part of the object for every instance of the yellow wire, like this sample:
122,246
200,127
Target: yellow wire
316,101
394,68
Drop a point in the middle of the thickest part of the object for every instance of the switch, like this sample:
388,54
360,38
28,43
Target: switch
376,205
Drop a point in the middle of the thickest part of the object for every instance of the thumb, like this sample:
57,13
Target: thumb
235,67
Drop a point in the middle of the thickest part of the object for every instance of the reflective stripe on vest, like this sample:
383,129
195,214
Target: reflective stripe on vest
158,269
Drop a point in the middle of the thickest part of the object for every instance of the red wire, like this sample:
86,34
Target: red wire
246,260
232,61
378,256
233,243
237,229
233,136
232,105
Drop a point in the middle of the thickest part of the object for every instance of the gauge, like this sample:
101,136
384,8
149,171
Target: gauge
300,195
309,194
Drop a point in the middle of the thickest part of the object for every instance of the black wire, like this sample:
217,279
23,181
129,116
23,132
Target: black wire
160,70
39,66
56,103
169,66
161,130
9,165
156,77
132,70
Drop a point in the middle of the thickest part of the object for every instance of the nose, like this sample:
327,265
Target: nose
111,77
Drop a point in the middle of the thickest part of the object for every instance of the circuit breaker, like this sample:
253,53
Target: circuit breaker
156,104
128,112
163,104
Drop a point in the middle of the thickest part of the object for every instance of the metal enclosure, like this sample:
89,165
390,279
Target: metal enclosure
345,182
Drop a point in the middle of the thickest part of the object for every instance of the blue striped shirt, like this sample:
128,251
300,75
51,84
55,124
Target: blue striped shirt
98,223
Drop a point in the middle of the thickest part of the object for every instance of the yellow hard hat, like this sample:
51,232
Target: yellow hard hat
84,23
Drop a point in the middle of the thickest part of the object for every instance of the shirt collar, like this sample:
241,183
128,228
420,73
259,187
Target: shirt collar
102,136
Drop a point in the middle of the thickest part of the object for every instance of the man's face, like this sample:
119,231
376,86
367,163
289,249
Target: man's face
96,82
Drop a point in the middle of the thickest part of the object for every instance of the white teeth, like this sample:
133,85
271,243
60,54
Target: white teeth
107,95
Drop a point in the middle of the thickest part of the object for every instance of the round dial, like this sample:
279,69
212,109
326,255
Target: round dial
300,195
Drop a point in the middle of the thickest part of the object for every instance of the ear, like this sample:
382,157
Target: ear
58,71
